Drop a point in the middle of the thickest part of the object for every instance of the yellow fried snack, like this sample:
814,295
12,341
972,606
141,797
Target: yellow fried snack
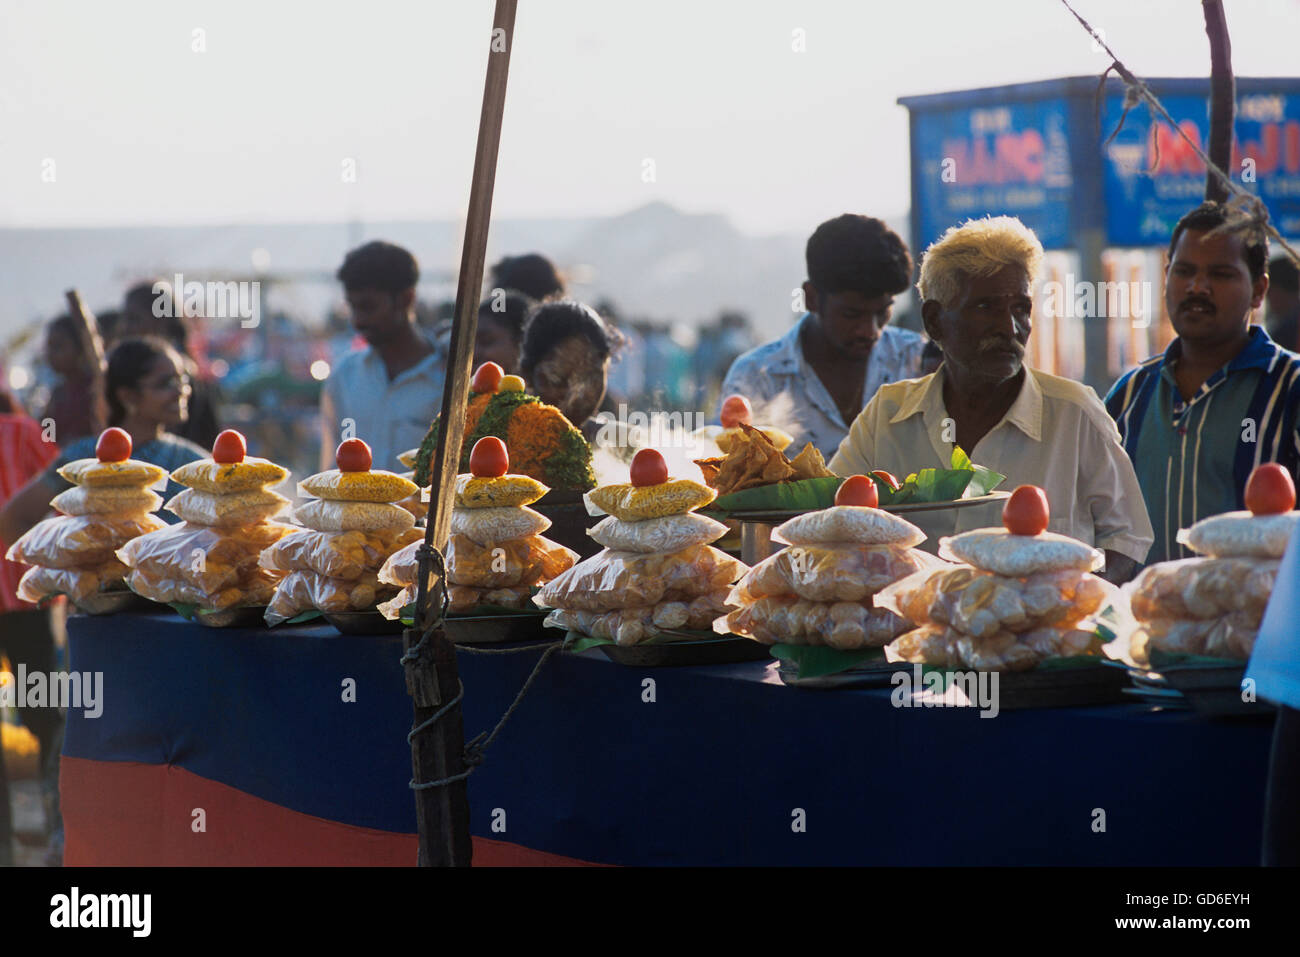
129,474
39,583
487,526
253,588
631,503
506,491
376,485
337,554
209,476
779,438
610,580
630,626
408,458
302,591
118,501
79,542
348,516
846,625
210,559
226,511
523,561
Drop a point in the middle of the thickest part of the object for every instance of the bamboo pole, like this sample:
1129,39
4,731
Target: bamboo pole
442,813
1223,95
92,347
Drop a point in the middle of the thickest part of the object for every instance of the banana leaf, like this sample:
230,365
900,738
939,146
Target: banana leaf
805,495
577,642
816,661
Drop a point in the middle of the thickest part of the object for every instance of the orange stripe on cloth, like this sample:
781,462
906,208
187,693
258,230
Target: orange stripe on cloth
124,813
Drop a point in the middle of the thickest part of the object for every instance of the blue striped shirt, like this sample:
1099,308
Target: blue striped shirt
1193,457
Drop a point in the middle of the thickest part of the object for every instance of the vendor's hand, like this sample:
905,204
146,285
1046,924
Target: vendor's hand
1119,568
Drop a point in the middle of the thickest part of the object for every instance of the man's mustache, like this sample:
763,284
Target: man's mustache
1002,345
1196,301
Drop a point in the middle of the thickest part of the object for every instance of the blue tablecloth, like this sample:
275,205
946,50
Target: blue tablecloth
716,770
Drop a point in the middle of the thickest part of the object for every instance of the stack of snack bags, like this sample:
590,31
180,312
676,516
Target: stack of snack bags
822,589
352,527
210,560
1018,597
417,503
1213,605
73,554
657,570
496,554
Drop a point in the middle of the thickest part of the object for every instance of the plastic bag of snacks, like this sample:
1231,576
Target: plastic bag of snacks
671,533
106,500
464,598
487,526
39,583
247,475
981,604
999,551
630,626
849,523
302,591
326,516
830,572
1203,588
632,503
846,625
369,486
610,579
944,647
227,510
132,473
504,491
520,561
253,588
1232,636
208,558
337,554
80,541
1241,534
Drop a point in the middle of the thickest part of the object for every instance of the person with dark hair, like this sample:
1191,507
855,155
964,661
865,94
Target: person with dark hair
565,360
1223,397
72,402
148,394
531,274
389,392
1282,320
501,329
813,381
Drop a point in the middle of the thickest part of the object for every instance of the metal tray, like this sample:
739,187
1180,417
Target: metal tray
113,602
724,650
875,675
777,516
496,629
232,617
1214,691
363,623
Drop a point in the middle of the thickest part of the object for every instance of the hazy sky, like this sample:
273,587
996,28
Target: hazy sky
142,129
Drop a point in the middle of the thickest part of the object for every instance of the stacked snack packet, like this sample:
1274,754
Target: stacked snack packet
210,560
1213,605
352,528
417,504
496,554
74,554
657,570
821,589
1021,595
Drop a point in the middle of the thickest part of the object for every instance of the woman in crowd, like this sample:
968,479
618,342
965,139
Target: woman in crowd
565,360
501,330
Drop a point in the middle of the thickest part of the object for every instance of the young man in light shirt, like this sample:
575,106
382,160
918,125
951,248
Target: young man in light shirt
1037,429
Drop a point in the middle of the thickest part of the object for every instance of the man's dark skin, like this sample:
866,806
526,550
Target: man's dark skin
983,336
838,342
386,320
1209,295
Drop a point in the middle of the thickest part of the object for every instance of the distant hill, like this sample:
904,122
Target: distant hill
654,261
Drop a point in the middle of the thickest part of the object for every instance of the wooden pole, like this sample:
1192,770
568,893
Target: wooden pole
1223,95
442,813
92,347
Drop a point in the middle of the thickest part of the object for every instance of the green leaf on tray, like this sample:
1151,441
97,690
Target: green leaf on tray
577,642
804,495
308,615
185,610
817,661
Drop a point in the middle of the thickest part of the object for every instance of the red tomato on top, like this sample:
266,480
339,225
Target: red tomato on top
353,455
489,458
858,490
1026,511
1270,490
735,410
888,479
649,468
487,378
229,448
114,445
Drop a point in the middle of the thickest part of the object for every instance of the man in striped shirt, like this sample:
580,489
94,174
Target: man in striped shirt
1222,398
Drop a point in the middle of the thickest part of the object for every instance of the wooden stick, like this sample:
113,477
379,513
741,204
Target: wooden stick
442,813
92,346
1223,94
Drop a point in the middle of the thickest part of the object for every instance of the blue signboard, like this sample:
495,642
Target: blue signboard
1152,176
1002,159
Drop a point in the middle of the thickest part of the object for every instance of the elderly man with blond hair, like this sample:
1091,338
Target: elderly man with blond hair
976,289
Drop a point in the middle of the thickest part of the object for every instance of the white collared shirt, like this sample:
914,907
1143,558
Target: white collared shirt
786,392
390,417
1056,435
